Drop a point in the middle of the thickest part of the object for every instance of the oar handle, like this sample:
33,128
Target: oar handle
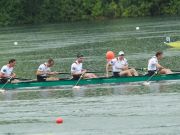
141,69
64,73
19,78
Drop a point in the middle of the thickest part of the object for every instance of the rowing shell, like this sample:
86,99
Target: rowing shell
95,81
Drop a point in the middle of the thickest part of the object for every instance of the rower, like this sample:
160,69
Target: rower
109,56
120,67
154,66
77,69
44,71
7,71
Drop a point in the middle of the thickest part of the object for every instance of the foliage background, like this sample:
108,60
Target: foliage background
17,12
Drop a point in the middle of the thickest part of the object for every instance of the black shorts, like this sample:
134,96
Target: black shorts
4,80
76,77
151,72
41,78
116,74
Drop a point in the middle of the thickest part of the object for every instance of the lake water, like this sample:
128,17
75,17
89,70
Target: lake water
103,110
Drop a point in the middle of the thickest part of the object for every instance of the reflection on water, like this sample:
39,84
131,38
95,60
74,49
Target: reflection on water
93,91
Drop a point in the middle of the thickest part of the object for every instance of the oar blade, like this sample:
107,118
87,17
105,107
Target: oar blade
2,91
146,83
76,87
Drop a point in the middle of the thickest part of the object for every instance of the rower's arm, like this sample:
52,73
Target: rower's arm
2,75
108,65
78,73
39,72
13,75
159,66
48,73
125,67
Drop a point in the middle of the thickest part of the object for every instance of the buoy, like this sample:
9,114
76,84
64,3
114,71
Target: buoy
137,28
15,43
110,55
59,120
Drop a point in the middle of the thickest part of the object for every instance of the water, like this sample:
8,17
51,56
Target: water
126,109
104,109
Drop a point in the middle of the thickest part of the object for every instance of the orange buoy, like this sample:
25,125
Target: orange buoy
110,55
59,120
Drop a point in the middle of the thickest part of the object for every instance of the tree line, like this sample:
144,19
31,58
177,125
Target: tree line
16,12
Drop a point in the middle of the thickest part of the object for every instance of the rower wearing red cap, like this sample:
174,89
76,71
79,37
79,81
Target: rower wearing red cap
109,56
120,66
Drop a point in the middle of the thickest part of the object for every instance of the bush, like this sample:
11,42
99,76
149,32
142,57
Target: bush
14,12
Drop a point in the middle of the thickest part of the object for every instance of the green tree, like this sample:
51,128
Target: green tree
97,10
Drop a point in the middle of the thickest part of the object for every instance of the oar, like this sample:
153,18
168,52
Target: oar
149,79
175,71
19,78
141,69
86,72
145,69
2,90
96,72
76,85
64,73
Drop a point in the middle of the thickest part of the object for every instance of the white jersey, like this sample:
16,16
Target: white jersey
6,70
44,68
152,64
118,64
76,68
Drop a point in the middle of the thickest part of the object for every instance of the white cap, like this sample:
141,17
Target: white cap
121,53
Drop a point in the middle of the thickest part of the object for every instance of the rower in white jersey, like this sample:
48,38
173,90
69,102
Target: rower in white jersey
77,69
7,71
44,71
154,66
120,67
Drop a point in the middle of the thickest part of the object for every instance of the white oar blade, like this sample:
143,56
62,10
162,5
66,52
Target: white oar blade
2,91
146,83
76,87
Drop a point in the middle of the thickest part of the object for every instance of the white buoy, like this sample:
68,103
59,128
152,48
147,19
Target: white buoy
137,28
15,43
